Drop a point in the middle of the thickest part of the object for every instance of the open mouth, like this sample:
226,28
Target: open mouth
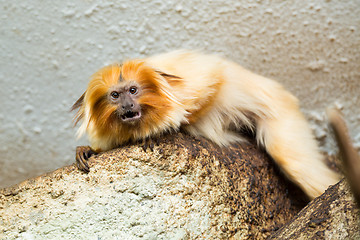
130,116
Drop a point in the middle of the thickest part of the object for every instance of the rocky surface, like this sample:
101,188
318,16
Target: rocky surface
185,189
333,215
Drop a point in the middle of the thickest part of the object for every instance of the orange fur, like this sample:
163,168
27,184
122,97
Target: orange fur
208,96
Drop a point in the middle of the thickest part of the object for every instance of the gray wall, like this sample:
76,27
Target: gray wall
49,49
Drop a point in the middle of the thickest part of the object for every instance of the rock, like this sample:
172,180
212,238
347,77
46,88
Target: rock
186,188
333,215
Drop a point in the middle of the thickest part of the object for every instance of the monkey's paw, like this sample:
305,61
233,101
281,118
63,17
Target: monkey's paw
149,143
83,153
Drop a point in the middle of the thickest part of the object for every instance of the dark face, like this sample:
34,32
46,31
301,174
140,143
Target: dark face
125,97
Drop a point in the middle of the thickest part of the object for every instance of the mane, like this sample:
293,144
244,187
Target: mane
161,108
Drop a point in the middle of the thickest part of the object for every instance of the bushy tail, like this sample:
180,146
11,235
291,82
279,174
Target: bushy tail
348,154
289,141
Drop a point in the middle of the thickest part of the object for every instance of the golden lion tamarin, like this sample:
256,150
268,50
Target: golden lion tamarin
206,95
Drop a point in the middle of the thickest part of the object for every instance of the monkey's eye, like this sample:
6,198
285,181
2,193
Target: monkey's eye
114,95
133,90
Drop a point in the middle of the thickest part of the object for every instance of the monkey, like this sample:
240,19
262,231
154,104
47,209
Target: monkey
207,96
348,154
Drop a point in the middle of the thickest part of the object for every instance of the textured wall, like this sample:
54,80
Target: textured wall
49,50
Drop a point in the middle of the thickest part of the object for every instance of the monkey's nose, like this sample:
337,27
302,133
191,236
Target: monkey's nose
127,106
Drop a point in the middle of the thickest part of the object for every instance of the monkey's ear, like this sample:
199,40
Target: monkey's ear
79,102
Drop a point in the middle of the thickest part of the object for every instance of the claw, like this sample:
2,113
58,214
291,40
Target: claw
83,153
144,146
